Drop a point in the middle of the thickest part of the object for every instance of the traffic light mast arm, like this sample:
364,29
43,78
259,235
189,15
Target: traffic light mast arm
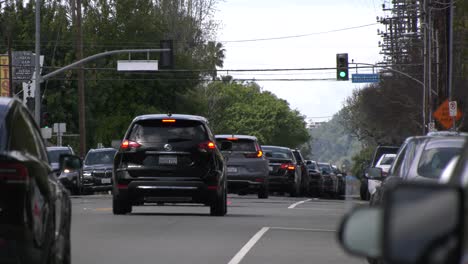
393,70
97,56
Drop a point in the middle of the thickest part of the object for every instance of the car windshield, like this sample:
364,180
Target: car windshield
54,155
279,153
433,161
100,157
159,132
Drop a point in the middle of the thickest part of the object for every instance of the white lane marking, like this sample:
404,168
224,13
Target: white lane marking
298,203
246,248
302,229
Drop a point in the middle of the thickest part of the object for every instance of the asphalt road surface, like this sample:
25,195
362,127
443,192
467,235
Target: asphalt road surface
277,230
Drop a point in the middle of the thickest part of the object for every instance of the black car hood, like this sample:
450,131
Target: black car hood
97,167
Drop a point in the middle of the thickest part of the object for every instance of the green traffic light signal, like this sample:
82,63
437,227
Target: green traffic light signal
342,67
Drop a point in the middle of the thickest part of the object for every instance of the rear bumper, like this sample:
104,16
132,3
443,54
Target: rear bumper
176,191
280,183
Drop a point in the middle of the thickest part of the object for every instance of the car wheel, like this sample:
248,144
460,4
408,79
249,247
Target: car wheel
121,206
219,205
263,192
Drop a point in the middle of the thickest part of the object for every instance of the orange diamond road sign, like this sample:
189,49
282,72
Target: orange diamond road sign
442,115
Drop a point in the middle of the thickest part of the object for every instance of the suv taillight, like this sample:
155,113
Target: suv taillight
128,144
14,173
288,166
257,154
207,146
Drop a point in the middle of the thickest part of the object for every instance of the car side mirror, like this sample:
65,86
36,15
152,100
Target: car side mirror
226,145
412,226
374,173
70,162
360,232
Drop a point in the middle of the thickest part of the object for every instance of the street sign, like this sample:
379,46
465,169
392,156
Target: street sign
23,65
453,108
365,78
60,128
137,65
442,115
46,132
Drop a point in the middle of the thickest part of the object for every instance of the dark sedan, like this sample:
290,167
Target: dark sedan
35,209
97,170
315,178
330,182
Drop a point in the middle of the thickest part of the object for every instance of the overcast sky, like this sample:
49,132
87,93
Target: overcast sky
254,19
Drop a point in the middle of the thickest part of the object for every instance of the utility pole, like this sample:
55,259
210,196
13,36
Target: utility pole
81,84
450,57
37,82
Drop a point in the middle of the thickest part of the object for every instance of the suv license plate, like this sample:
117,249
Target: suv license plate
105,181
232,169
167,160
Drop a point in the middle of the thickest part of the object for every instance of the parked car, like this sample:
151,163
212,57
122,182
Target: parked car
421,158
407,226
247,167
72,179
385,162
170,158
35,208
330,182
97,170
341,182
305,180
379,151
315,176
284,170
54,153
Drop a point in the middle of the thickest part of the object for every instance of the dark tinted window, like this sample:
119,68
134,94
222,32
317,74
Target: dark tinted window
387,160
54,155
325,167
433,161
396,167
279,153
312,166
242,145
157,131
100,157
23,137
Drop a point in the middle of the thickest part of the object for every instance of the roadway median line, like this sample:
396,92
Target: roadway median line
246,248
292,206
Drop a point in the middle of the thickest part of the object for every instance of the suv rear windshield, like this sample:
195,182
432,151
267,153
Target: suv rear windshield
157,131
325,167
241,145
387,160
280,153
100,157
311,166
433,161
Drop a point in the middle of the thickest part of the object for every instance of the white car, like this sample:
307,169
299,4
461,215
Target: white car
385,162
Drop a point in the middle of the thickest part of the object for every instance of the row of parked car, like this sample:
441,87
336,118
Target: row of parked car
414,216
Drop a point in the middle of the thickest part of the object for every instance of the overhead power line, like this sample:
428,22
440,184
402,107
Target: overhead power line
297,36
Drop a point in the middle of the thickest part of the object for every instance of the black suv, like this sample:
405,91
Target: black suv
170,158
97,170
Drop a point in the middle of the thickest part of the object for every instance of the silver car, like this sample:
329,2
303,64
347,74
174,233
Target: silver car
247,167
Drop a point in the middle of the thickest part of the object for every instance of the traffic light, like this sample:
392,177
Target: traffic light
45,119
342,67
166,59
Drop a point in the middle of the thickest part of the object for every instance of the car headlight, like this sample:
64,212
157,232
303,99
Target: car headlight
66,171
87,174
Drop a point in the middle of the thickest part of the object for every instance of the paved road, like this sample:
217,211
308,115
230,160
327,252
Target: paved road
276,231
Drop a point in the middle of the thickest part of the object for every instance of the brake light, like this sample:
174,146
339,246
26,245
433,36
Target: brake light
257,154
232,139
128,144
288,166
122,186
168,120
14,173
209,145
